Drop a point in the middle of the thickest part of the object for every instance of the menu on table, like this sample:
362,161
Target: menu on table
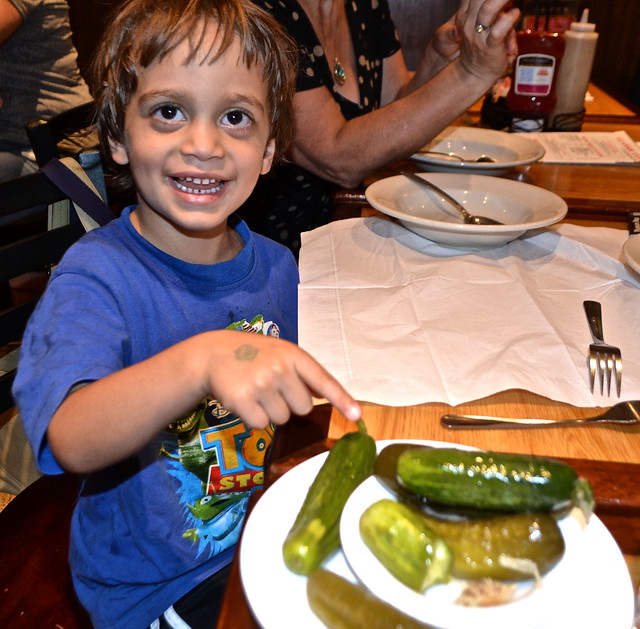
588,147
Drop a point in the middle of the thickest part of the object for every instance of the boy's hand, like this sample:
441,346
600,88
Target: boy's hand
264,379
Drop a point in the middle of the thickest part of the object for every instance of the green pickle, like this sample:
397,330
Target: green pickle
497,481
407,547
480,544
315,534
340,604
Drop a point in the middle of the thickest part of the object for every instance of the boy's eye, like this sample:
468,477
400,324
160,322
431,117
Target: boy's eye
169,113
236,118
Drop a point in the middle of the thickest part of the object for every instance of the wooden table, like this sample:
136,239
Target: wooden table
614,483
599,192
590,190
601,105
608,456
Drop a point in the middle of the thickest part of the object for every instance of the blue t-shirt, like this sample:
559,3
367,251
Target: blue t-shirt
149,529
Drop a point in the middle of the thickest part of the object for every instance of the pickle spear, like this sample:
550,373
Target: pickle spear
340,604
315,534
485,547
402,541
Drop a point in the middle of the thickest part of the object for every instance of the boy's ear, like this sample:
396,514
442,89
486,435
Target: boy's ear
267,158
118,152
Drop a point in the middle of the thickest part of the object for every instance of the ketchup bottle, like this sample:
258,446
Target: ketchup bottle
532,96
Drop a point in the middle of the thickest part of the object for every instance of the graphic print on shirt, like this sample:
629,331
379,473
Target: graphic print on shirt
218,461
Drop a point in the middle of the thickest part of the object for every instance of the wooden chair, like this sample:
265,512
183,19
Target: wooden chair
35,581
27,250
45,136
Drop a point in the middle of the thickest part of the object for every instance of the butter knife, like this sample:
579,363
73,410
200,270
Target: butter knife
621,413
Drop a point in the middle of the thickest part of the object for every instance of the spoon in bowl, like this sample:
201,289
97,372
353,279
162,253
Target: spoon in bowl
481,159
468,218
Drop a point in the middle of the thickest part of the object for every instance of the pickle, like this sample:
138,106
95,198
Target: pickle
315,534
479,545
340,604
492,480
402,541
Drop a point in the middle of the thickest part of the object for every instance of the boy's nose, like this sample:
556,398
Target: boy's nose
204,141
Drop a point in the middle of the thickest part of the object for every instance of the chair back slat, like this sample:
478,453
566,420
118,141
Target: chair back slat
6,382
28,250
25,193
38,251
14,320
46,135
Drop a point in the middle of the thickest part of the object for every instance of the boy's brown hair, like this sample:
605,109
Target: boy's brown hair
142,31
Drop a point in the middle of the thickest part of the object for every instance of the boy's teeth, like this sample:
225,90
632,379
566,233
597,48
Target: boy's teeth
213,185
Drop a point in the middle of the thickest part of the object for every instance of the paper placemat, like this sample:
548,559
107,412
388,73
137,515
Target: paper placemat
400,320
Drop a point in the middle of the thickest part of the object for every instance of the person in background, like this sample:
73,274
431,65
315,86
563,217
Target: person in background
152,364
357,107
39,77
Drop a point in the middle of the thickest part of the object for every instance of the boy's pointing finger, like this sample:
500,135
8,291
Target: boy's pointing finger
324,385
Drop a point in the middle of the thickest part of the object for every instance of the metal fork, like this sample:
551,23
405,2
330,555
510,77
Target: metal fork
604,359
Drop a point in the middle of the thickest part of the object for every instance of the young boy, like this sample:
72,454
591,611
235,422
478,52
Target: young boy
150,365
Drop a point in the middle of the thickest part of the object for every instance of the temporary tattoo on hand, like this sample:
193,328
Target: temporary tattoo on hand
245,353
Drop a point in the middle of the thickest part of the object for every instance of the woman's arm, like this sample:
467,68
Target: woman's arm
10,20
345,152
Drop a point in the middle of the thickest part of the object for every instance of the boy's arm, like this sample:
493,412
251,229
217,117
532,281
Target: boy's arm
259,378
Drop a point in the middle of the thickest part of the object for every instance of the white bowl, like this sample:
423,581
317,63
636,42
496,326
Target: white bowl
520,206
631,253
507,149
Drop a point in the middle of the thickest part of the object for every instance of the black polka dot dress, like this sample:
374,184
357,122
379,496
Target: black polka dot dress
290,200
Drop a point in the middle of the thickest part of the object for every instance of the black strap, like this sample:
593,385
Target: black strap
78,191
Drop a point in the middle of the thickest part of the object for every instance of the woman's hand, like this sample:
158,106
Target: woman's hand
487,53
446,40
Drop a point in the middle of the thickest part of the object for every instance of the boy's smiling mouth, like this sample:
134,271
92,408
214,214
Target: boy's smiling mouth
197,185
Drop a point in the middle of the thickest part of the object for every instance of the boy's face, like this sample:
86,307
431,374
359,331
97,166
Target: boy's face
196,139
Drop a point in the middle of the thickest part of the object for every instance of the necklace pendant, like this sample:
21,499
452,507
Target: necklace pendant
339,74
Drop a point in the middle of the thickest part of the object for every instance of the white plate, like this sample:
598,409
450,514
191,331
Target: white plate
520,206
553,605
597,593
631,253
507,149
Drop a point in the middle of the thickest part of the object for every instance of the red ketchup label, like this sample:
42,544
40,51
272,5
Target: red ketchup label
534,75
